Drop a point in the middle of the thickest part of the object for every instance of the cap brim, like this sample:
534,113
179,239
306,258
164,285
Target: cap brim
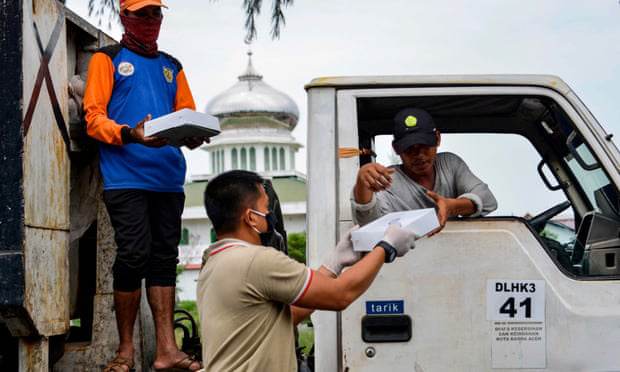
142,4
428,139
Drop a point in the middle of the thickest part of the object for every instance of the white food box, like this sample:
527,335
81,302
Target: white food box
420,221
182,124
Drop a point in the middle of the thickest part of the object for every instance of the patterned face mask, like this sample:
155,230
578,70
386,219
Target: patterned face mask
141,33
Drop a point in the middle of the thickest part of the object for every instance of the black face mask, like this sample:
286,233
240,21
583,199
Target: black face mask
267,237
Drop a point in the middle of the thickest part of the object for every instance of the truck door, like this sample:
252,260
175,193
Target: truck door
508,291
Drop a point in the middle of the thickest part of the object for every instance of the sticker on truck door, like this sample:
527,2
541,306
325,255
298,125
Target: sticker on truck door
385,307
516,311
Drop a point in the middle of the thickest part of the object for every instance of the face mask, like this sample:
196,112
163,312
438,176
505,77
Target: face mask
141,33
266,237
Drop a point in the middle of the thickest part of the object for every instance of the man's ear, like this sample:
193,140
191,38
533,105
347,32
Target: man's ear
438,138
247,217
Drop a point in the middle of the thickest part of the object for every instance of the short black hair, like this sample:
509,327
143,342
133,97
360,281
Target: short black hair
228,195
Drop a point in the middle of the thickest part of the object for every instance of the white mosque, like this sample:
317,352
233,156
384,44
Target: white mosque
256,121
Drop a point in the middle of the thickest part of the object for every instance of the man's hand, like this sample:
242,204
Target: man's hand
442,211
371,177
343,255
375,176
194,142
137,133
401,239
447,207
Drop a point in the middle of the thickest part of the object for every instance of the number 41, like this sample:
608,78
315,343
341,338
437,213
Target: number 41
509,307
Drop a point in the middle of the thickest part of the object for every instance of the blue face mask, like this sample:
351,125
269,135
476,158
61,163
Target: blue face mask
266,237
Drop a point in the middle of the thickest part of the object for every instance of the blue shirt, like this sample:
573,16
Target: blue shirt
142,86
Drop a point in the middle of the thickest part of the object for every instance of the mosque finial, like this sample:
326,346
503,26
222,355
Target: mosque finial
250,73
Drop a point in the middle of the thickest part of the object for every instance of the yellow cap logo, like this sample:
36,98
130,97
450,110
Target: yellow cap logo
411,121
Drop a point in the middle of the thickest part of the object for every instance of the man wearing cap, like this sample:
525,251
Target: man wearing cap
425,179
127,84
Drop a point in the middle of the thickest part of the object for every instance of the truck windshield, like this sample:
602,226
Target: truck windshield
591,180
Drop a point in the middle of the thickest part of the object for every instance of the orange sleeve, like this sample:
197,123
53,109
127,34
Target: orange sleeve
184,97
99,85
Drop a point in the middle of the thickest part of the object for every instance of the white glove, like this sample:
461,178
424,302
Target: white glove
343,255
401,239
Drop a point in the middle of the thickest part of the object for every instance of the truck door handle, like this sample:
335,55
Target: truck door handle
386,328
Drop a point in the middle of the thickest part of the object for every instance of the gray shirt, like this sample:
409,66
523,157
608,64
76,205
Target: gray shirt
453,179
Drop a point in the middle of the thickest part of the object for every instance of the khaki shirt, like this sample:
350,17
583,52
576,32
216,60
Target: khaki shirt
244,292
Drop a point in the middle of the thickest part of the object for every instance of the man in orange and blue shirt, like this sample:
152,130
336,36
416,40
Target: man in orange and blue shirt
128,84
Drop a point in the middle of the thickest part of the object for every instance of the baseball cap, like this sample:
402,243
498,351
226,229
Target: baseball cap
413,126
133,5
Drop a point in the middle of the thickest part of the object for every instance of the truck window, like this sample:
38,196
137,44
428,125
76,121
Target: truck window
529,151
508,164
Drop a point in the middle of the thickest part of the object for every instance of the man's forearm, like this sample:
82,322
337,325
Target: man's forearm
351,284
329,293
358,277
362,194
461,207
367,212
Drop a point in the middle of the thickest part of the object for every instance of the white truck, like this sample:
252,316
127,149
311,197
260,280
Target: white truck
493,293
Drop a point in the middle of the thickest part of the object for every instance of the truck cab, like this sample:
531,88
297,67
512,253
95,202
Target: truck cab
508,291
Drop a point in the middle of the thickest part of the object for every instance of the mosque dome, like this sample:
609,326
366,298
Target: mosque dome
251,96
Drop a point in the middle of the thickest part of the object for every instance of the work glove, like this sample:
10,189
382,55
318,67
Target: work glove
403,240
343,255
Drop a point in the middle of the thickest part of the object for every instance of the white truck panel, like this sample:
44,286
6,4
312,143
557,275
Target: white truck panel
443,285
321,195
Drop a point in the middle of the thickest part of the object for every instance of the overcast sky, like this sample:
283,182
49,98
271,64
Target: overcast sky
578,41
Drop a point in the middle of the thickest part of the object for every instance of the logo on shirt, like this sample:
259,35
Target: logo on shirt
125,69
168,74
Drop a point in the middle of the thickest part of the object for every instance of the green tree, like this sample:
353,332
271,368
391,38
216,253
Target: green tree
109,8
297,246
104,9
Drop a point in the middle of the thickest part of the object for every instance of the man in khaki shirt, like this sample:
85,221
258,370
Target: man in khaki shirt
251,296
